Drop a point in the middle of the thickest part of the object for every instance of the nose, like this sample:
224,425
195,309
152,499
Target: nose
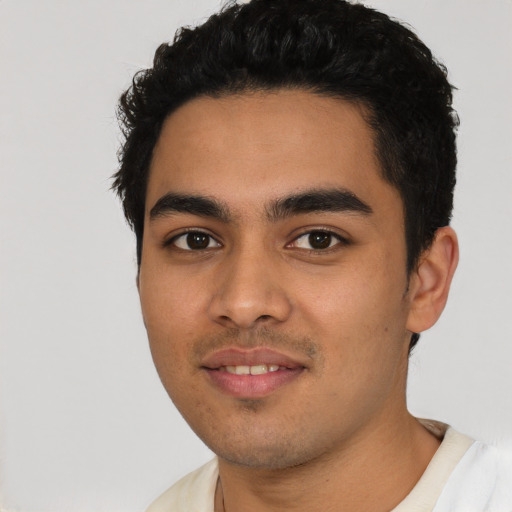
248,293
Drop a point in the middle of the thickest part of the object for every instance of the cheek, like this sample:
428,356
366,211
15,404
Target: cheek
360,315
171,310
362,301
170,301
361,327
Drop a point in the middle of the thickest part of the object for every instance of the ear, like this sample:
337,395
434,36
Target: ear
430,283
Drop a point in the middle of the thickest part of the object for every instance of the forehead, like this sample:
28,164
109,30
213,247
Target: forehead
253,147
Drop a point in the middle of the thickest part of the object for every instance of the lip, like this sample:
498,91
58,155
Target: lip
251,386
239,357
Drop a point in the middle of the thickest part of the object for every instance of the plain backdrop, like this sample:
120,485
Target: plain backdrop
85,425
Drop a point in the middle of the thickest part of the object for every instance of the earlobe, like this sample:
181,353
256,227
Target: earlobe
430,282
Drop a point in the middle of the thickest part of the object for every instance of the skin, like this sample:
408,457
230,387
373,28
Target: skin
345,313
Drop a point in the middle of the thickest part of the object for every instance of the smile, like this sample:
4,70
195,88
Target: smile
257,369
252,373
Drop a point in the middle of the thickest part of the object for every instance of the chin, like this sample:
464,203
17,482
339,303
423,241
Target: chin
269,461
268,452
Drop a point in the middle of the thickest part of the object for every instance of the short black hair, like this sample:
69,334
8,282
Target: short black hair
329,47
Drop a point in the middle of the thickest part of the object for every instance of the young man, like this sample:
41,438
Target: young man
288,171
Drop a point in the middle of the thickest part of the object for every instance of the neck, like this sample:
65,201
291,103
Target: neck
374,470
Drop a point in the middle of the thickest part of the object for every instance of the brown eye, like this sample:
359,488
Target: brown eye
318,240
195,241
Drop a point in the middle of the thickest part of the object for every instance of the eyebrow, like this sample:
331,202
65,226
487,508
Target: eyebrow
311,201
321,200
195,205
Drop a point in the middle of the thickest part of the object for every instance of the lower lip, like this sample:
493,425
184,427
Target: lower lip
252,386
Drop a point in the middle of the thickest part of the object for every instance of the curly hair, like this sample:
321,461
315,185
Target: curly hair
327,47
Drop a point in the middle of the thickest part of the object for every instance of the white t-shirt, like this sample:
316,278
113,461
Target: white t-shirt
463,476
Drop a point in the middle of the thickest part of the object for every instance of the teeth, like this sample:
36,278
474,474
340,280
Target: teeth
257,369
243,370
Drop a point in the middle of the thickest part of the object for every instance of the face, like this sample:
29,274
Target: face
273,277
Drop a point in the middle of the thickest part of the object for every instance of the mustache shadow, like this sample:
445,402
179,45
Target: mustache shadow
262,336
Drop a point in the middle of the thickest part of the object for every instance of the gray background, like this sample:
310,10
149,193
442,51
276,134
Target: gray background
85,424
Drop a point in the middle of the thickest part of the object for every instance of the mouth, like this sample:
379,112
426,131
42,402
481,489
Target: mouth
257,369
251,373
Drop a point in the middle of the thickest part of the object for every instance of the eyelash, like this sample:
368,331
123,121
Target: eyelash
172,241
334,239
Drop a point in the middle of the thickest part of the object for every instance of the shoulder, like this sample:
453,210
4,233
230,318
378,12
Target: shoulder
463,476
193,493
480,482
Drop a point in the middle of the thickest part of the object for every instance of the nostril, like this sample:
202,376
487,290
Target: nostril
242,306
